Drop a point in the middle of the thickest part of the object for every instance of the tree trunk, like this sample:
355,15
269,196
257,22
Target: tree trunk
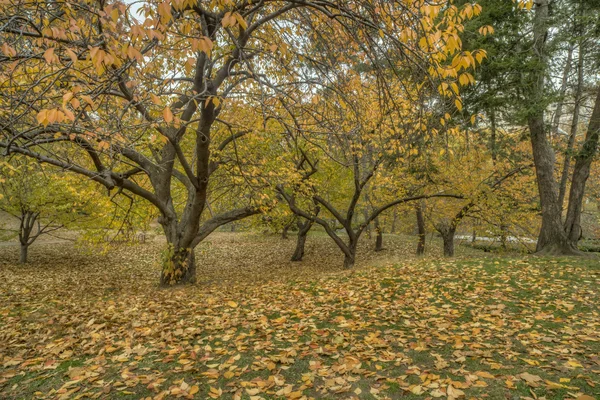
447,229
581,173
349,261
27,222
503,236
23,257
379,237
368,227
350,254
573,133
179,266
394,218
563,89
493,145
448,238
303,229
420,229
284,232
552,238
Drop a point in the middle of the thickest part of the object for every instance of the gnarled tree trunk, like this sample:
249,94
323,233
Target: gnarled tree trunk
350,253
179,266
303,229
447,229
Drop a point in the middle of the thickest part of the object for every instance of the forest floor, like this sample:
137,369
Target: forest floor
75,324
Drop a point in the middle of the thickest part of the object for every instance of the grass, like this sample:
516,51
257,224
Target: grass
396,327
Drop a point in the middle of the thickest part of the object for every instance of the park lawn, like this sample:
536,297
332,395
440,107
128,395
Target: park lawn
474,327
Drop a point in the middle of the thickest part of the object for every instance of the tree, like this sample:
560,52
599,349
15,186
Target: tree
555,236
45,200
145,106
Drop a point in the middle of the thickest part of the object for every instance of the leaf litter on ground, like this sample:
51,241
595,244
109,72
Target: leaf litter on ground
78,325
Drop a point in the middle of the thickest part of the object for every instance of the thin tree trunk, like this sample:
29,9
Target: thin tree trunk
379,237
503,236
303,229
23,257
394,218
420,229
26,224
284,231
563,89
368,227
573,133
581,173
493,145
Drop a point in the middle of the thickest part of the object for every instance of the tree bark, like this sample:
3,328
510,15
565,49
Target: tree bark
447,229
581,173
493,145
284,231
448,239
179,266
27,222
563,89
394,218
349,260
23,256
350,253
420,229
379,237
303,229
552,238
574,123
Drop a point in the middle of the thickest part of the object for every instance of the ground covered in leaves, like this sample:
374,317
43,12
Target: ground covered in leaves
79,325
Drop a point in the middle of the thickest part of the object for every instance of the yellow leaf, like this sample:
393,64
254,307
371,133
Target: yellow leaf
240,20
232,304
484,374
155,99
417,389
41,117
49,55
228,375
52,116
454,393
458,104
71,54
168,115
